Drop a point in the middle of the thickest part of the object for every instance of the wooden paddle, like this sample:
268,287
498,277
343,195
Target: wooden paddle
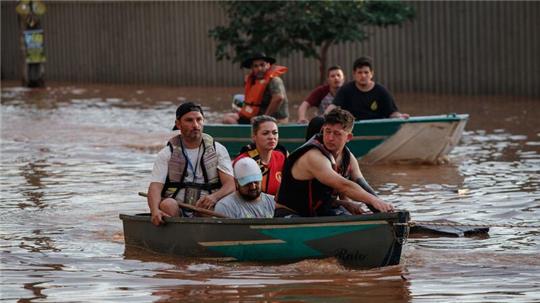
444,228
194,208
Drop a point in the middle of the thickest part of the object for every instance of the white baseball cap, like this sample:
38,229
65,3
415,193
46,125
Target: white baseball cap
246,170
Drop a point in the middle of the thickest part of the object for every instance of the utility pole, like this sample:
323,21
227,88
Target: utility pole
33,65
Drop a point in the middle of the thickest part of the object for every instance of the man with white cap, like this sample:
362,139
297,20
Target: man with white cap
247,201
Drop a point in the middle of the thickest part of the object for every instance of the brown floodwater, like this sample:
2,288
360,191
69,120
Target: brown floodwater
73,157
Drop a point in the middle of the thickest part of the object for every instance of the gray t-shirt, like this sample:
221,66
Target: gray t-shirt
275,87
234,206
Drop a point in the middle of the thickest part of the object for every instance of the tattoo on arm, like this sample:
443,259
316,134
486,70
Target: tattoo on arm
363,183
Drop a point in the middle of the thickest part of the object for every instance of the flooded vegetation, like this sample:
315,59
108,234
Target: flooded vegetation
75,156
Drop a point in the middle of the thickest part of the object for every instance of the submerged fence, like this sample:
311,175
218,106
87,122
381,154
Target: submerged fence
465,47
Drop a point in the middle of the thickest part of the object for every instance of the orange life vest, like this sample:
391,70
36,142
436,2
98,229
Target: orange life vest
254,91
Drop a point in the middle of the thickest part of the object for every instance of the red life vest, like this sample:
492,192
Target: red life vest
254,91
271,172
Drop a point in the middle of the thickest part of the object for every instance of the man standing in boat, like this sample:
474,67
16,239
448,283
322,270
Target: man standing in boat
322,96
264,91
364,98
192,168
265,150
318,171
248,201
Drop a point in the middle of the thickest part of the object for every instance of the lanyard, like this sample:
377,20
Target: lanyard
194,171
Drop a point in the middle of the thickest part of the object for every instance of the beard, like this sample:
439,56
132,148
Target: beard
193,135
250,195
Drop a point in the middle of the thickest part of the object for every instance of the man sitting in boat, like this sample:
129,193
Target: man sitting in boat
264,91
265,150
247,201
314,128
192,168
319,170
322,96
364,98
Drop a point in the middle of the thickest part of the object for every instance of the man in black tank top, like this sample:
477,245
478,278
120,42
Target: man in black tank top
318,171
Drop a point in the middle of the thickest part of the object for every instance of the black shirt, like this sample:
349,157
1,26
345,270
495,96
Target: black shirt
377,103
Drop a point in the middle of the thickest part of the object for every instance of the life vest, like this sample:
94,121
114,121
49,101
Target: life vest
311,197
254,91
271,172
177,168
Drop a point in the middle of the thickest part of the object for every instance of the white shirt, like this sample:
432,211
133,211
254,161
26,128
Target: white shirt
161,166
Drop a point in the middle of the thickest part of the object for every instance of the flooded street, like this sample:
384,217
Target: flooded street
73,157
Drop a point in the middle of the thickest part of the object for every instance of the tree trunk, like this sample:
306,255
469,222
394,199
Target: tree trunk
322,69
322,61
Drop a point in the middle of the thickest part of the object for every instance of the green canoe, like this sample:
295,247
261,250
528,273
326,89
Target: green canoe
417,139
365,241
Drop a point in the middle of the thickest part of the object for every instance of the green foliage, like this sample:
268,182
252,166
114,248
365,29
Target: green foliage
283,27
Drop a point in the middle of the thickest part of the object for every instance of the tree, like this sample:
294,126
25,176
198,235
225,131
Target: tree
311,27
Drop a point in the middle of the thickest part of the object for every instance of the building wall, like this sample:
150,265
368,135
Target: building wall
457,47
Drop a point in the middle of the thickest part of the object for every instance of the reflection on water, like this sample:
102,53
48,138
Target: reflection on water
33,173
74,157
314,280
383,286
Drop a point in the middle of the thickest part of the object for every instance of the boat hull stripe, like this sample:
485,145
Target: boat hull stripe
247,242
280,226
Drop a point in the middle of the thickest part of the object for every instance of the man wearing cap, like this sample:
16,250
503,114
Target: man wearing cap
264,92
192,168
247,201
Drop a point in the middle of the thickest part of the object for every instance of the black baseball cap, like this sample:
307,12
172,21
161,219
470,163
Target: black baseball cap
185,108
